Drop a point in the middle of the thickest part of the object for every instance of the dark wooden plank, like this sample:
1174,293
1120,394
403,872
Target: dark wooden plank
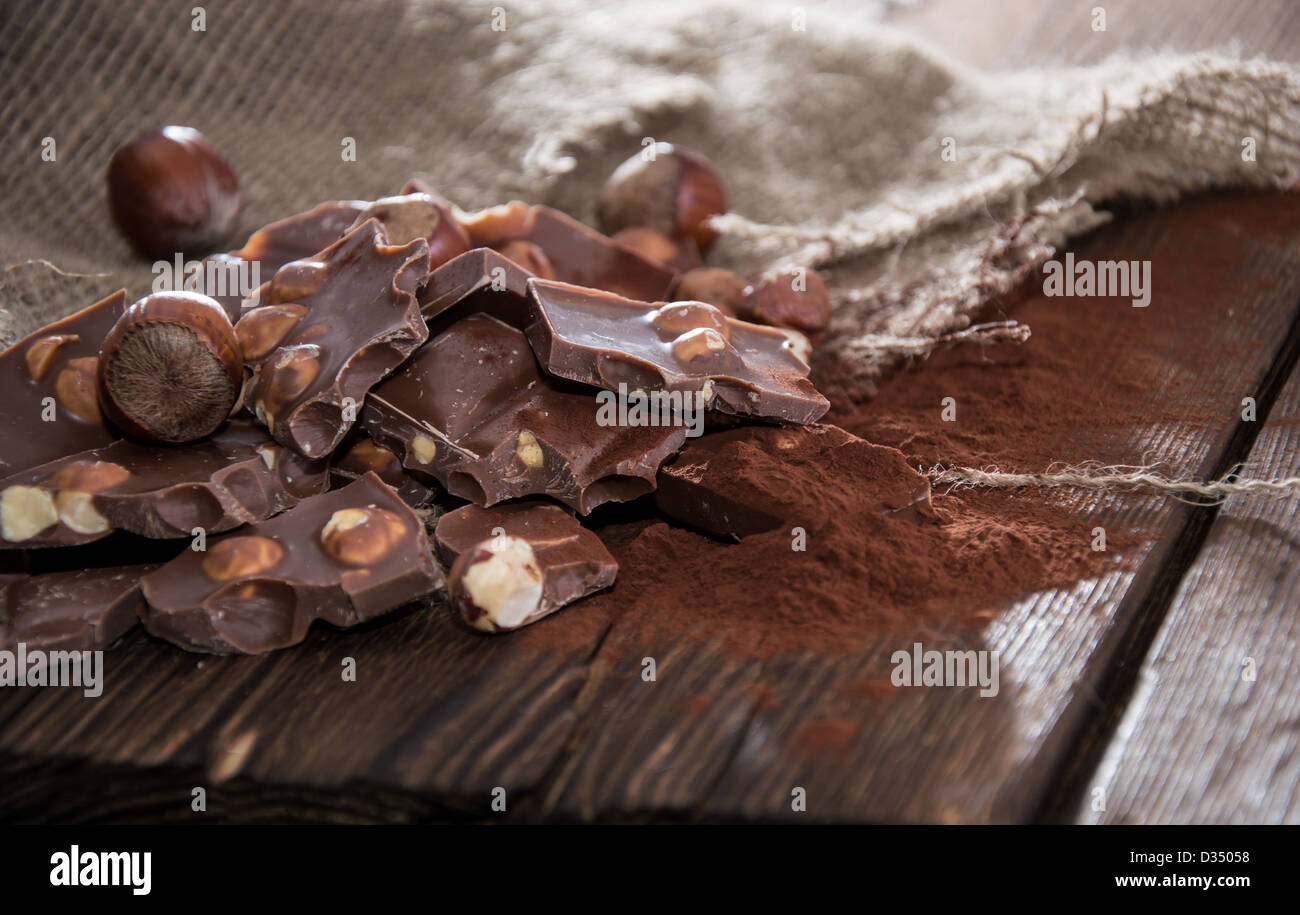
945,755
1199,741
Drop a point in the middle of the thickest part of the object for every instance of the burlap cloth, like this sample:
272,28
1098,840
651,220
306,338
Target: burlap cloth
830,138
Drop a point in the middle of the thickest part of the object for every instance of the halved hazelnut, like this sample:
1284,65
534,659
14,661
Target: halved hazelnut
418,215
494,225
529,451
74,389
25,511
89,476
263,329
362,536
497,585
77,512
40,355
424,447
698,344
676,318
240,557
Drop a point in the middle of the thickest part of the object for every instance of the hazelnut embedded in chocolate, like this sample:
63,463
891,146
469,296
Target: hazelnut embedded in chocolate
171,368
170,192
417,215
793,297
671,189
494,225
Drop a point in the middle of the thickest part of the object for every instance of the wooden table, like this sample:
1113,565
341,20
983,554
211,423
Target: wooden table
1167,689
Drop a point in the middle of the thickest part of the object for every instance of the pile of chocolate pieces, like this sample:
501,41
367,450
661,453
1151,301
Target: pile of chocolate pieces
402,352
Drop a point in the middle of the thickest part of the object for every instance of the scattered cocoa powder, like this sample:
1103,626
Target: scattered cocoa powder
1083,388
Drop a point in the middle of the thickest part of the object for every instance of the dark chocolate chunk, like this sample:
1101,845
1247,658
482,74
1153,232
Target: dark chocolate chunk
514,564
472,409
273,246
481,280
50,406
345,557
757,478
82,610
602,339
236,476
360,455
584,257
325,330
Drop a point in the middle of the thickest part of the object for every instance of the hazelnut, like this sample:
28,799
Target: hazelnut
40,355
89,476
497,224
263,329
171,368
290,375
25,511
77,512
365,456
74,388
722,289
362,536
529,451
170,192
699,344
680,254
677,318
240,557
670,189
793,297
418,215
424,447
529,256
497,584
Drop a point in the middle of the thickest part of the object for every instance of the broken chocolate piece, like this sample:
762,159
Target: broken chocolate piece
345,557
325,330
411,216
582,256
270,248
83,610
51,403
472,409
481,280
749,480
602,339
516,563
236,476
360,455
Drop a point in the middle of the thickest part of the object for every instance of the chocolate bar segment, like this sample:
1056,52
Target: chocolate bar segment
270,248
359,455
481,280
605,340
325,330
514,564
472,409
236,476
748,480
82,610
50,405
584,257
345,557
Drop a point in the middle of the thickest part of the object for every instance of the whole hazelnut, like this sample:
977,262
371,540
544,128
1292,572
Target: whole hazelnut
170,369
170,192
668,188
680,254
793,297
723,289
497,585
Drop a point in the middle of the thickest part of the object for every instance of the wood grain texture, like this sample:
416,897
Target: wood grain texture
1200,742
938,755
